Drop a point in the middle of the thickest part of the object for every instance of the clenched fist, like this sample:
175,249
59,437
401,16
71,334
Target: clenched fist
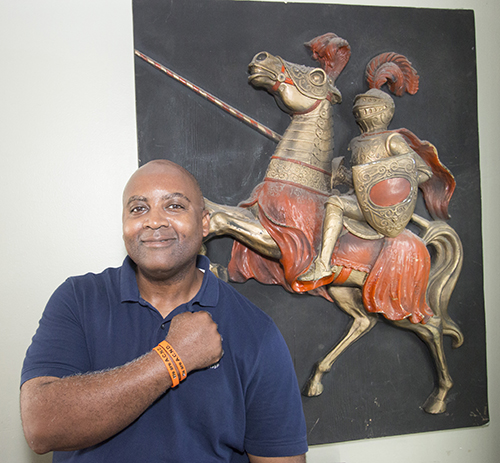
195,337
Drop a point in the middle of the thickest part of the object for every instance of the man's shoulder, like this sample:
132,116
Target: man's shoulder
108,274
109,280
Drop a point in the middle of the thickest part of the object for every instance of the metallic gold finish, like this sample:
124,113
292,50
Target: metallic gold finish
301,174
308,140
303,162
387,220
243,225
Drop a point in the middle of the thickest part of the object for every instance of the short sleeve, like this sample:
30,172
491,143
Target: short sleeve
58,347
275,424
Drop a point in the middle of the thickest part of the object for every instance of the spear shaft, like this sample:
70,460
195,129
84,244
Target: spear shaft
213,99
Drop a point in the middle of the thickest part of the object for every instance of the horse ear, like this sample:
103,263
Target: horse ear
331,51
317,77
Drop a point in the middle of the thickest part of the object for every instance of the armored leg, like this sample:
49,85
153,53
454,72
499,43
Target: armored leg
332,227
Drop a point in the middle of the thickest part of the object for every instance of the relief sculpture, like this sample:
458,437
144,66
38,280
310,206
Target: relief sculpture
316,226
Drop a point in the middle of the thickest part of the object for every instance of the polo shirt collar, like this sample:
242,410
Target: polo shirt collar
207,296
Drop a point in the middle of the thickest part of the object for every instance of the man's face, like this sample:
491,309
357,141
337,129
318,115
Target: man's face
163,221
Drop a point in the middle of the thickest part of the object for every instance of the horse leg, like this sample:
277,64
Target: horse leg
432,334
243,225
350,300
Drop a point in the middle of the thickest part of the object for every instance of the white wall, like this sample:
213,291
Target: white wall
67,144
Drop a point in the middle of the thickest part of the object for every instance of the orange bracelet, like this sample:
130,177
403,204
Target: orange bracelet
175,357
160,350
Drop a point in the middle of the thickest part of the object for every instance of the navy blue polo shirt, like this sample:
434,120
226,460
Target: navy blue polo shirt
248,402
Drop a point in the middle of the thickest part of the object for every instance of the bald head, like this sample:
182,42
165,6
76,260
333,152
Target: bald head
164,221
159,171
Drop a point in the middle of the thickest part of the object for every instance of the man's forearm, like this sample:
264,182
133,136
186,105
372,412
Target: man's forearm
79,411
294,459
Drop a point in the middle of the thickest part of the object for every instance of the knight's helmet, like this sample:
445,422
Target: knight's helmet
373,110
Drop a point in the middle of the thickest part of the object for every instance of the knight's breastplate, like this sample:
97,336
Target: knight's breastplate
387,191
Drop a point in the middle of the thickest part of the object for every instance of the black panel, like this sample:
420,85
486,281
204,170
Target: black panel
378,386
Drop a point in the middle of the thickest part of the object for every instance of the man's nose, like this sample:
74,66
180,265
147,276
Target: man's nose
156,219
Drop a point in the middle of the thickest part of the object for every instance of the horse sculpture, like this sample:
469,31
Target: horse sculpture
278,230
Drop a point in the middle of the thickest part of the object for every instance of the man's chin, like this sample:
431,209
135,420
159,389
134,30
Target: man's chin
166,270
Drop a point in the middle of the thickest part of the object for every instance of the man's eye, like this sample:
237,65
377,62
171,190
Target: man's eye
137,209
175,206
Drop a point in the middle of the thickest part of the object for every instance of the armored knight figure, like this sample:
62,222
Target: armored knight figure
386,173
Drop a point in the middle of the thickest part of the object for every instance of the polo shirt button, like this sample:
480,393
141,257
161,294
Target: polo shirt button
163,326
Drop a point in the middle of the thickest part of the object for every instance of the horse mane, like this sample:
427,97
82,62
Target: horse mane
331,51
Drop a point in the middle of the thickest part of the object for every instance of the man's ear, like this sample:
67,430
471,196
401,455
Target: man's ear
205,222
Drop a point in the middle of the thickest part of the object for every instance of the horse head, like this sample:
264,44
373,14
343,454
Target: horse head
296,88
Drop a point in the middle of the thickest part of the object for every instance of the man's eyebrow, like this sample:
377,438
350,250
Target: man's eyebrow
164,198
136,198
176,195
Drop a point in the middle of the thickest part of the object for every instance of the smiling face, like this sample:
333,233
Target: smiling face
164,220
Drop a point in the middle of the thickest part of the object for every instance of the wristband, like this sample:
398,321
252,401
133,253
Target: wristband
175,357
159,349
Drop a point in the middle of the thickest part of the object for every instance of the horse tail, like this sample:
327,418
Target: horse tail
446,265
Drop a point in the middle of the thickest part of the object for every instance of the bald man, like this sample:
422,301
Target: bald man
158,360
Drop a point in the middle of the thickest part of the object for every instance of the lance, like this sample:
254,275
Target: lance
213,99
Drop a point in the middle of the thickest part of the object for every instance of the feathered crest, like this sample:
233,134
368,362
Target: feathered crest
395,70
331,51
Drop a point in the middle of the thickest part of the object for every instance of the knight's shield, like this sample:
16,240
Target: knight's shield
387,192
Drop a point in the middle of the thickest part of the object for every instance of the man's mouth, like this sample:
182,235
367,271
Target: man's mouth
156,240
157,243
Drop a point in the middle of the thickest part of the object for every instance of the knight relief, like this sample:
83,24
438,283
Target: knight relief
354,249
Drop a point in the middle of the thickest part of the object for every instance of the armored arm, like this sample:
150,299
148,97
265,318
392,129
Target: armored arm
396,146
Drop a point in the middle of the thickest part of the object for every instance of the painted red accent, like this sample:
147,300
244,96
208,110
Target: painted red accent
287,80
439,189
293,216
397,284
398,267
331,51
390,192
343,276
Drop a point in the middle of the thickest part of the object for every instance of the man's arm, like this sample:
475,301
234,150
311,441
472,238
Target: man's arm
79,411
294,459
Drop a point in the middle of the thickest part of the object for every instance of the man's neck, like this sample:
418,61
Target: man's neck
165,294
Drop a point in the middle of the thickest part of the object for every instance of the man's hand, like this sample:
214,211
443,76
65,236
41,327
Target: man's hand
82,410
195,338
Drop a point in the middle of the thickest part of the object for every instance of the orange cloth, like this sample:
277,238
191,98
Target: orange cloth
398,267
397,284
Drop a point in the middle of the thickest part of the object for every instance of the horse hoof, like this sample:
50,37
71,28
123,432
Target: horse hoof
434,406
313,389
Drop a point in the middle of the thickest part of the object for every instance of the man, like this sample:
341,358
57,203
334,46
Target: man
95,388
